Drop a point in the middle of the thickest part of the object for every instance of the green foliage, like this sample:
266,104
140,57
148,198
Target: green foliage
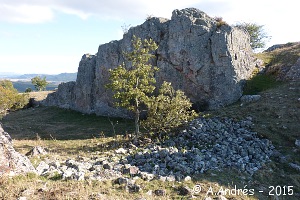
28,90
257,34
39,83
132,84
259,83
168,110
133,87
10,98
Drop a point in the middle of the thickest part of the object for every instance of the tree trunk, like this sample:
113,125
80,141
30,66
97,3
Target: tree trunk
137,119
137,125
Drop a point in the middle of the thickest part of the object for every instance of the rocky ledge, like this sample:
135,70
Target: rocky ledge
208,144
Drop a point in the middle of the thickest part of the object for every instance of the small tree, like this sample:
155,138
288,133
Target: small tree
28,90
257,34
168,110
39,83
133,84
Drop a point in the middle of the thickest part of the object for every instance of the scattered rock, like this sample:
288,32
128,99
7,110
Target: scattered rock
160,192
250,98
42,167
133,188
206,143
221,197
295,166
121,181
187,178
297,143
184,191
38,150
121,151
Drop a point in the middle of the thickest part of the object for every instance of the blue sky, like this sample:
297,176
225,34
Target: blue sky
50,36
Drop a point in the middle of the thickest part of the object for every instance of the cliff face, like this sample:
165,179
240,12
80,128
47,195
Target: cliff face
208,62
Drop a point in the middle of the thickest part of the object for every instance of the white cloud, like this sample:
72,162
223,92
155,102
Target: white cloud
25,13
33,11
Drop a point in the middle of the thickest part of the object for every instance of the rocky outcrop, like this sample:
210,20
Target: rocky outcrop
294,72
206,60
12,162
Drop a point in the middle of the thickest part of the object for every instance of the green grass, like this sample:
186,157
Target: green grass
259,83
62,124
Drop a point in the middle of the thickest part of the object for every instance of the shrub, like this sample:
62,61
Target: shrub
220,21
10,98
28,90
169,110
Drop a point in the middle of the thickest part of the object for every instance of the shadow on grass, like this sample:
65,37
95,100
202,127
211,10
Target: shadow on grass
62,124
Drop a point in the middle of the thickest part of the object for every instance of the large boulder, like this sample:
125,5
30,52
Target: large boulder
205,59
12,162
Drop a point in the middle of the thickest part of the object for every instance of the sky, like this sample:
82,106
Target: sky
50,36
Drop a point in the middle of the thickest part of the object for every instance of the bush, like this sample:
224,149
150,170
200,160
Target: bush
169,110
10,98
220,21
28,90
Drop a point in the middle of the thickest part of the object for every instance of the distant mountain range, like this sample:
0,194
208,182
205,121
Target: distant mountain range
22,82
63,77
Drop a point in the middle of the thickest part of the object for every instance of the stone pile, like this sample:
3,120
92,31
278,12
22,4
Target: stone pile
208,144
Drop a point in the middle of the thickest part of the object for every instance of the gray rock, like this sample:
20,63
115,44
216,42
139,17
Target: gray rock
133,188
194,54
297,143
38,150
160,192
107,166
121,151
250,98
42,168
187,178
221,197
147,176
12,162
294,72
121,181
294,166
184,190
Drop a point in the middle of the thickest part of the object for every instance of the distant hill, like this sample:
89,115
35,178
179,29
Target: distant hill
21,86
22,82
63,77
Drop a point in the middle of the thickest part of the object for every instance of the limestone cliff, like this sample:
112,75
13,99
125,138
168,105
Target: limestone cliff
207,61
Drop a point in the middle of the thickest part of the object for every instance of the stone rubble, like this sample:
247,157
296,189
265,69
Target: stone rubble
208,144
